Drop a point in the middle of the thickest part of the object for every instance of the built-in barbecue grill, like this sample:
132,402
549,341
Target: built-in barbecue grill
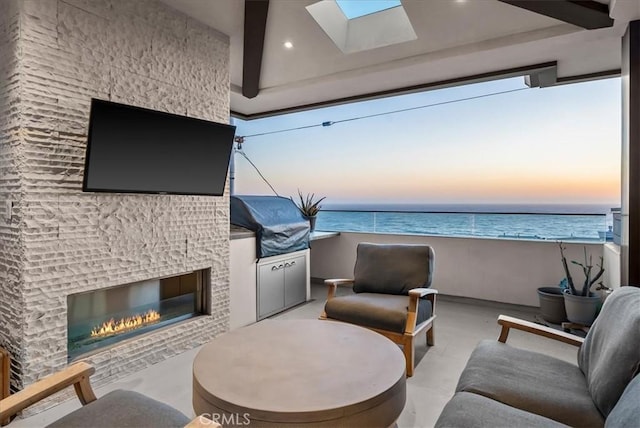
279,225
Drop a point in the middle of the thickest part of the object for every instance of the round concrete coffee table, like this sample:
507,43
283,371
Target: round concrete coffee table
300,373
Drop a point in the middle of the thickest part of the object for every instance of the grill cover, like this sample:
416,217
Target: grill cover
279,225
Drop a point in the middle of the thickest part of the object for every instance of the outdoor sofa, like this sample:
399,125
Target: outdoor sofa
506,386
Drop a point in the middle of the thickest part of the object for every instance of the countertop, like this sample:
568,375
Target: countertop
315,235
238,232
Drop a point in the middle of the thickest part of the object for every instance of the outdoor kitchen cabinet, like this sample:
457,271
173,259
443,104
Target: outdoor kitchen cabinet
242,293
282,282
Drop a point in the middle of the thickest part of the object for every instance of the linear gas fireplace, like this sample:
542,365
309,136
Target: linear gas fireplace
101,318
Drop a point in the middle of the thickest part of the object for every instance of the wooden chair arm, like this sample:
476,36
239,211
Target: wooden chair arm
421,292
414,297
339,281
202,422
76,375
331,290
333,285
508,322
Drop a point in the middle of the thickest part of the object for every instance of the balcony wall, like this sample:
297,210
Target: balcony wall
500,270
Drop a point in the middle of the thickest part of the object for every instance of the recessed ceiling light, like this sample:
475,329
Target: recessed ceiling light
288,45
461,1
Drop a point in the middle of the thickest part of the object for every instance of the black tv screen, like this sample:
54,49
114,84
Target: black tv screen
136,150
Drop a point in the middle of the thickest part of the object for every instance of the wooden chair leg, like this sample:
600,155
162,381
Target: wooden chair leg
430,338
84,391
409,354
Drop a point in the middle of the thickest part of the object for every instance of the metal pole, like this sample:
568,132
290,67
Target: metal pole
232,164
232,171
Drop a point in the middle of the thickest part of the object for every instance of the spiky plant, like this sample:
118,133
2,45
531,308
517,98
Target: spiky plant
587,268
308,206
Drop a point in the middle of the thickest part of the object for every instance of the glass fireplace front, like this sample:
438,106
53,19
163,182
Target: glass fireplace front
101,318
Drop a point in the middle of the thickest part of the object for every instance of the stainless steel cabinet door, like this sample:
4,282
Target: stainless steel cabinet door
295,281
270,289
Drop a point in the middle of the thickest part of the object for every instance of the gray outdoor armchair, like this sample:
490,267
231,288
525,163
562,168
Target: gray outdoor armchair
391,294
118,408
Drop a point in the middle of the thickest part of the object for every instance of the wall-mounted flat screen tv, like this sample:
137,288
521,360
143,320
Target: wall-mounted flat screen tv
136,150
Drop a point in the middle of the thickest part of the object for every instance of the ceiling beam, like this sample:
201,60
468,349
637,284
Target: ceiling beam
587,14
457,81
255,24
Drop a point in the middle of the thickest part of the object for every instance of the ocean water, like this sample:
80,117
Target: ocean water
549,222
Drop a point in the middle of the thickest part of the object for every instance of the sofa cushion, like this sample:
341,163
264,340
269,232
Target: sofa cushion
626,412
471,410
123,409
530,381
392,269
382,311
614,336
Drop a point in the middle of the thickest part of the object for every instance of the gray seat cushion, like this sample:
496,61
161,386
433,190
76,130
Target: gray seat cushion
123,409
382,311
614,336
532,382
626,412
471,410
392,269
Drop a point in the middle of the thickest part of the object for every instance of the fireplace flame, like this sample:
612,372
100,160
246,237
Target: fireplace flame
125,324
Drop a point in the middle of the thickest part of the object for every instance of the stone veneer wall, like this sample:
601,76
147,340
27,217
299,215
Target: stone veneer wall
11,244
62,241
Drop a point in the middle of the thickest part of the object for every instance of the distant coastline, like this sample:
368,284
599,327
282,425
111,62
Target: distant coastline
473,208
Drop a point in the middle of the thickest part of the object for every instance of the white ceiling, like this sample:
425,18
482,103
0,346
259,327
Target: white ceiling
455,40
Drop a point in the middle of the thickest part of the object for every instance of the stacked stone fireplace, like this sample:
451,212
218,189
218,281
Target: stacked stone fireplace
57,242
103,318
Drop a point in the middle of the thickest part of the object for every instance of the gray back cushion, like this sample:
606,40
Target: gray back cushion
610,354
392,268
626,413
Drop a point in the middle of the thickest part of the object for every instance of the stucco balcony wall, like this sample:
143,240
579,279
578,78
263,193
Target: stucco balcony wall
500,270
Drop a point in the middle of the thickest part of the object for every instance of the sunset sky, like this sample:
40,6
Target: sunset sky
552,145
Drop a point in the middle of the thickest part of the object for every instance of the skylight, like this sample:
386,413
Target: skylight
357,8
387,24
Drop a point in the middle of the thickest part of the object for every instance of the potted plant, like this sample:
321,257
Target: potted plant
580,303
309,207
552,304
